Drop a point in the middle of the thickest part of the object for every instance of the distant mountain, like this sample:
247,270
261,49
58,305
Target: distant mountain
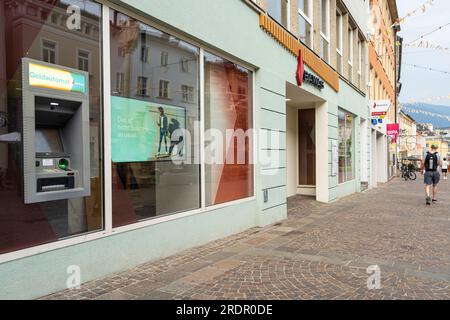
437,115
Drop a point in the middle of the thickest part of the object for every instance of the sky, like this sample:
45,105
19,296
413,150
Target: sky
418,85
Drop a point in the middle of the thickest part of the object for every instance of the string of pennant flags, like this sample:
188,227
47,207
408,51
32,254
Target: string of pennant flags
427,45
431,32
427,68
421,9
410,110
420,43
429,99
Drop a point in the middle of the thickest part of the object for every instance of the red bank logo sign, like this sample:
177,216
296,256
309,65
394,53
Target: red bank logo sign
304,76
379,107
300,69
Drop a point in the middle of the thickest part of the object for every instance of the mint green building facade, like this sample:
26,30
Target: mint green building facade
231,30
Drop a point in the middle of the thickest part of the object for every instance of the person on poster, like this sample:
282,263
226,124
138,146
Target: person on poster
163,124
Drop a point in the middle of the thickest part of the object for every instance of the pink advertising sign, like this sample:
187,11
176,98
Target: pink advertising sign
392,130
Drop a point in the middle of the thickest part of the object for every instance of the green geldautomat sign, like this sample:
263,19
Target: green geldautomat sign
56,79
139,132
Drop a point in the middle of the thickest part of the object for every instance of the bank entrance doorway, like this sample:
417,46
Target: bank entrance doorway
306,151
306,144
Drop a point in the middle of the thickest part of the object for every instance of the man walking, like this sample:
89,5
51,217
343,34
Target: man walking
445,168
430,165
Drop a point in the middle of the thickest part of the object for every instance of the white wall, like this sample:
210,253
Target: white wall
322,167
291,150
364,151
374,175
381,159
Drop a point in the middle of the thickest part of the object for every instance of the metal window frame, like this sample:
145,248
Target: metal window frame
326,37
43,40
309,18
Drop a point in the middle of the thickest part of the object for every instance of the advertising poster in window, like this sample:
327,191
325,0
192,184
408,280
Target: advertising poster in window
144,131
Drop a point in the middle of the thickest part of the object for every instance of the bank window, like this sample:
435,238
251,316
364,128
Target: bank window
325,30
83,60
164,58
184,64
49,51
350,47
141,86
53,191
87,29
54,18
228,121
305,22
144,48
163,89
360,63
187,93
339,40
155,166
279,10
144,54
346,146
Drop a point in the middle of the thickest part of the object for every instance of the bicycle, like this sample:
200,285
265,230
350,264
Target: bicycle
408,173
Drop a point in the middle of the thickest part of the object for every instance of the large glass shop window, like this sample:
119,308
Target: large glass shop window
228,136
50,121
154,122
346,147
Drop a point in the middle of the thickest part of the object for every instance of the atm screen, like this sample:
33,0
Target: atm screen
48,141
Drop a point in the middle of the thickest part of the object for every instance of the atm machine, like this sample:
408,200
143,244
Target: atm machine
56,149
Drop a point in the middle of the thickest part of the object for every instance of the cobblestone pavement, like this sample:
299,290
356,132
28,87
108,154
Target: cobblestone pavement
321,252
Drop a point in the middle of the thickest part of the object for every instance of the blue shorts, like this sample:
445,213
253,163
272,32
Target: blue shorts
432,178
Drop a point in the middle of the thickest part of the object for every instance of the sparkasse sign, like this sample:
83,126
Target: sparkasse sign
379,107
304,76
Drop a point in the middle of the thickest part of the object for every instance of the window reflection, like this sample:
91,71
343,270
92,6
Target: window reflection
38,30
345,146
154,97
228,101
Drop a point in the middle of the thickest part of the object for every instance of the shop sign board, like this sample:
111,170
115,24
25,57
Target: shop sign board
392,131
378,113
379,107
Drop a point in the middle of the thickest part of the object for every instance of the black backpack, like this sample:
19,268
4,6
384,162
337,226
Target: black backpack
434,165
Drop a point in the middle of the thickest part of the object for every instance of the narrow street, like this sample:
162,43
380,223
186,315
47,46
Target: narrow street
321,252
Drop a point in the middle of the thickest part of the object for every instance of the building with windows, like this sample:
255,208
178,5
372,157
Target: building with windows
133,132
420,145
407,139
441,142
384,76
334,48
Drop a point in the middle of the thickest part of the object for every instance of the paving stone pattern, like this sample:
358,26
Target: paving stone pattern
322,251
